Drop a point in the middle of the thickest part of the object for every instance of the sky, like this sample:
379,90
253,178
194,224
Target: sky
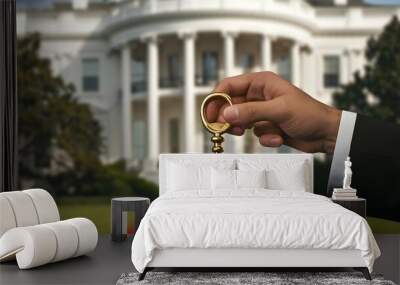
40,3
388,2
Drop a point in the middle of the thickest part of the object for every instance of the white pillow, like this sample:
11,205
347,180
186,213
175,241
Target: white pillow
292,179
223,179
251,178
230,180
281,174
189,174
183,178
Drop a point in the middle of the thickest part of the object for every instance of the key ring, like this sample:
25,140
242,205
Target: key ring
215,128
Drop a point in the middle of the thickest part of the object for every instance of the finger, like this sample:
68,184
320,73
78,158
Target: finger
250,112
235,86
237,131
271,140
213,109
253,85
267,128
255,91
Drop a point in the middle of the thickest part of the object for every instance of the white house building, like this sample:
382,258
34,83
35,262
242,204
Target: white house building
144,66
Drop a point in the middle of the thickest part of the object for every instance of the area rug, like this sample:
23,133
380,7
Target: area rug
243,278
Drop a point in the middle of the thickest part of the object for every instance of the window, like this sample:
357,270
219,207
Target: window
174,135
247,61
90,78
210,67
284,67
139,139
331,71
173,70
138,76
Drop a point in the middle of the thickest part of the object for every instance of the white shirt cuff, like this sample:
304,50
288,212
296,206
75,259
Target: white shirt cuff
342,148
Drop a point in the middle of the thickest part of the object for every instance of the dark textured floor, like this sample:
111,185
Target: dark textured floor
103,266
106,264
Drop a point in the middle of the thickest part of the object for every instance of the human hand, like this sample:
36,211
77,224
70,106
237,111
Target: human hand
279,112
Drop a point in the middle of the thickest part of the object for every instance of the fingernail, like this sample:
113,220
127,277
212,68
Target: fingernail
231,113
238,130
275,141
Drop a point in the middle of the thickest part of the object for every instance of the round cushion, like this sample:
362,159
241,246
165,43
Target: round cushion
23,208
87,234
33,246
67,239
7,220
45,205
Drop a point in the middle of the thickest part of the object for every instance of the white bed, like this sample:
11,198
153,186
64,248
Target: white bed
214,224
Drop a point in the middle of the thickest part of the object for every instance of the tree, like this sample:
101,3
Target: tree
56,133
59,139
377,92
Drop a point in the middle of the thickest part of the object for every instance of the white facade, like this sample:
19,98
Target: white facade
144,66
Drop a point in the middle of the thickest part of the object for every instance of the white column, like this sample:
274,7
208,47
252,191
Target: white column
233,144
266,52
153,104
229,53
303,67
189,98
308,69
126,110
354,63
295,63
345,73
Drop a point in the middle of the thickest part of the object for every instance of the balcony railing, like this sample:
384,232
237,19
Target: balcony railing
171,82
206,79
138,86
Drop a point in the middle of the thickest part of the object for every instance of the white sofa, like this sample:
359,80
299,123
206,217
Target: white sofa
31,231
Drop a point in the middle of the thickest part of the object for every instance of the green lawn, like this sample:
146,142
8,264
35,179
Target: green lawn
382,226
97,209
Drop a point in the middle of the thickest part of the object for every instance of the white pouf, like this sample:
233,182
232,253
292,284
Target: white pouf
31,231
40,244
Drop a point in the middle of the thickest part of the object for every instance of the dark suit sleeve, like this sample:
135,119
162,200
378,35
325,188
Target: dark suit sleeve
375,154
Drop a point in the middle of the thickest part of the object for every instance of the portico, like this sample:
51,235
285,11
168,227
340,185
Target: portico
228,52
143,66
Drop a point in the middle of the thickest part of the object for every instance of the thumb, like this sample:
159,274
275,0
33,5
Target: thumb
274,110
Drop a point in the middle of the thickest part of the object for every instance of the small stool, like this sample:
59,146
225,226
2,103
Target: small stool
119,217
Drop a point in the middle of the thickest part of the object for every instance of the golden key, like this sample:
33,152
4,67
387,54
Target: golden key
215,128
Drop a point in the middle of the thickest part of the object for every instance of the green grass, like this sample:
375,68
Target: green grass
381,226
97,209
93,208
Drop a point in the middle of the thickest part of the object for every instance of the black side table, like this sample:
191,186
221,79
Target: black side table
119,217
358,206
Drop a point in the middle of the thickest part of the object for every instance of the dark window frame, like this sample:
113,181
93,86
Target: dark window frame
91,83
331,80
209,75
